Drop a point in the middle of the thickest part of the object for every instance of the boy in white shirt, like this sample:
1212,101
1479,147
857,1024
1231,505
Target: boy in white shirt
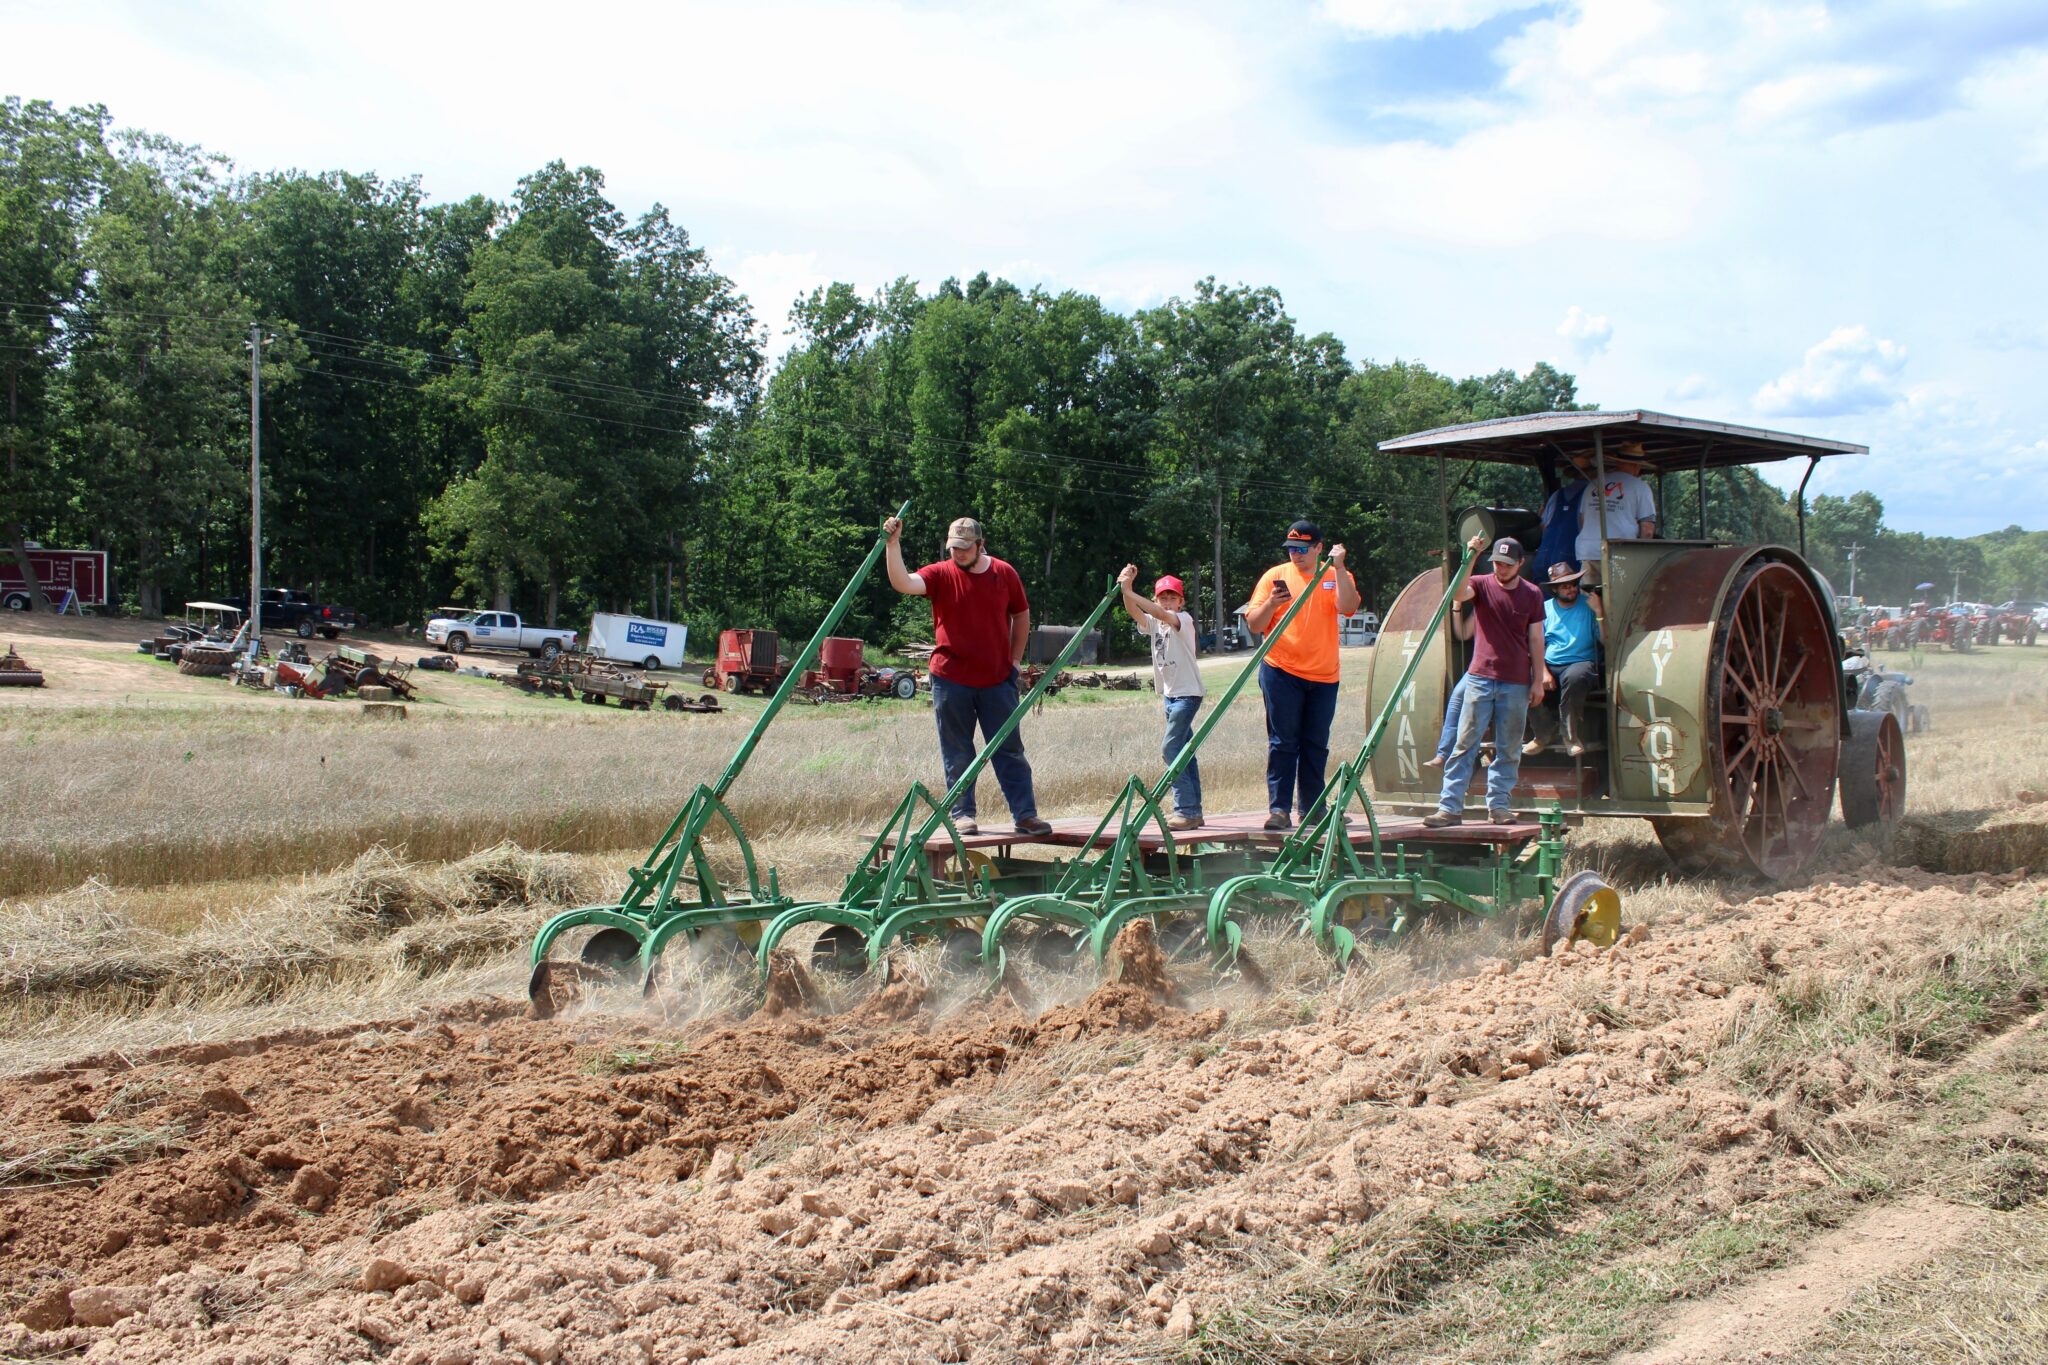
1172,632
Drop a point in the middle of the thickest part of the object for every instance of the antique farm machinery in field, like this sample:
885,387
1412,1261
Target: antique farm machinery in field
1339,875
1724,716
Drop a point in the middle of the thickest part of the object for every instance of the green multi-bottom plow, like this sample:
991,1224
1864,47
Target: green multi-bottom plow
675,889
1340,877
898,889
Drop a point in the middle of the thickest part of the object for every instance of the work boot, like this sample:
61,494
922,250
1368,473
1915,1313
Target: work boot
1184,822
1575,749
1443,819
1433,761
1031,824
966,826
1500,817
1534,746
1278,820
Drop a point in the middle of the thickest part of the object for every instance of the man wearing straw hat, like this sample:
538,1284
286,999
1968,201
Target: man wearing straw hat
1630,507
1571,659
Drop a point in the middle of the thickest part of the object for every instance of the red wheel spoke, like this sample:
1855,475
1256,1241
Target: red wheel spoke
1799,778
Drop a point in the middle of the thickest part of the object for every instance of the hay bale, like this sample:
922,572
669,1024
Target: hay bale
506,875
374,693
78,940
384,710
379,892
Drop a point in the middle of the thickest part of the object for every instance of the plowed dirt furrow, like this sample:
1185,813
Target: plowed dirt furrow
493,1202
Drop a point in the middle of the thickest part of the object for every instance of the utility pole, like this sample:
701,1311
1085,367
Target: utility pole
255,491
1956,593
1852,551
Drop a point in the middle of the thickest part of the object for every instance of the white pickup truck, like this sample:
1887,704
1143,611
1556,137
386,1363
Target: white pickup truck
496,630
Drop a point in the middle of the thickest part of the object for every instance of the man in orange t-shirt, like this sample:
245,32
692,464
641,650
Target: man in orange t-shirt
1299,673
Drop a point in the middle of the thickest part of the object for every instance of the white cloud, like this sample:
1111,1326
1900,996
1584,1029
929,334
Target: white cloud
1588,333
1849,371
1691,387
773,281
1401,18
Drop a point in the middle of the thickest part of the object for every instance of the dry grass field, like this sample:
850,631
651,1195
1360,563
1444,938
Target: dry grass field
1829,1100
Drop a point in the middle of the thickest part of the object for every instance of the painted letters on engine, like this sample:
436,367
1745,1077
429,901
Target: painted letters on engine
1660,737
1404,718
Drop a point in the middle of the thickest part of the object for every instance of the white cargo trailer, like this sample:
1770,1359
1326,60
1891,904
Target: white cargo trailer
637,640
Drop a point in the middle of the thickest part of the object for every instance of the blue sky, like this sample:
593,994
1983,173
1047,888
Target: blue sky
1823,217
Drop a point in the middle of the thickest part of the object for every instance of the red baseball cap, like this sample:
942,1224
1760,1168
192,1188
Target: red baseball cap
1169,584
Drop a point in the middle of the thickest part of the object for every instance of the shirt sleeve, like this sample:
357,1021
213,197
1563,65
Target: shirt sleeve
1264,589
1642,502
938,582
1015,582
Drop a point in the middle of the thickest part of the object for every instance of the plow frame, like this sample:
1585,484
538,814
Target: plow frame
1322,871
651,912
896,890
1111,880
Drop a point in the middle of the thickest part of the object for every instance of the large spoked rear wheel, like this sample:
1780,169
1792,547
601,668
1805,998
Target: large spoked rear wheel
1772,731
1874,772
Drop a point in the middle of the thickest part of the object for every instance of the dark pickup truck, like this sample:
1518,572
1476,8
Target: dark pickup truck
285,610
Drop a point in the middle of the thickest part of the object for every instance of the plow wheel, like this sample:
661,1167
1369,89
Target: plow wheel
841,950
1771,731
1056,950
1585,907
959,950
1180,937
609,950
1874,772
721,950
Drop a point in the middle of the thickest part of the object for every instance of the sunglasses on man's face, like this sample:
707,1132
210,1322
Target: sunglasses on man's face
1299,549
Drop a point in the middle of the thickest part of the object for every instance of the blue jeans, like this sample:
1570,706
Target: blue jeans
959,709
1180,726
1502,708
1453,709
1298,716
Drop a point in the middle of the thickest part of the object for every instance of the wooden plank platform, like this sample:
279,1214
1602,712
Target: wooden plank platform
1073,832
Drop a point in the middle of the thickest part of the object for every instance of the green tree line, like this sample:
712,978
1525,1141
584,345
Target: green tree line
544,404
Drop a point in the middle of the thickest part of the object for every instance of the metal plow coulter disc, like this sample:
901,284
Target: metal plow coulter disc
558,983
1585,909
840,951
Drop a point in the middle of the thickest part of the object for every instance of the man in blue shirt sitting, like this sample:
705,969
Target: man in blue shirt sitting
1571,658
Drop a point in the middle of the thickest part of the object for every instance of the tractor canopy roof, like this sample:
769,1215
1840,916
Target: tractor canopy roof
1669,443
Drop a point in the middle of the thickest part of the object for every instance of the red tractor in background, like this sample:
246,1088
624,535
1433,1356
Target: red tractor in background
1934,627
844,674
2013,622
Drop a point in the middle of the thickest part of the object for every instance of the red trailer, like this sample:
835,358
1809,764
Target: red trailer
747,662
80,572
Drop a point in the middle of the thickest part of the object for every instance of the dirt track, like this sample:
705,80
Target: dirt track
484,1188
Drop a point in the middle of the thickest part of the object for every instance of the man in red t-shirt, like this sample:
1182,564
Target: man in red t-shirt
980,623
1504,680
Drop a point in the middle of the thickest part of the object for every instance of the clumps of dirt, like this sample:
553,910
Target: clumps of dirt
1137,961
2008,840
900,997
790,989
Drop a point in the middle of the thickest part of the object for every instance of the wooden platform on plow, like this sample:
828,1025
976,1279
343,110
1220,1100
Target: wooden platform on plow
1249,829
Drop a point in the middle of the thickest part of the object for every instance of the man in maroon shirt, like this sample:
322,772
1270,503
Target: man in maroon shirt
1505,678
980,623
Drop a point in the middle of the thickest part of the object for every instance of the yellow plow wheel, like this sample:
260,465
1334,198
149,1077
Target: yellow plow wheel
1585,908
